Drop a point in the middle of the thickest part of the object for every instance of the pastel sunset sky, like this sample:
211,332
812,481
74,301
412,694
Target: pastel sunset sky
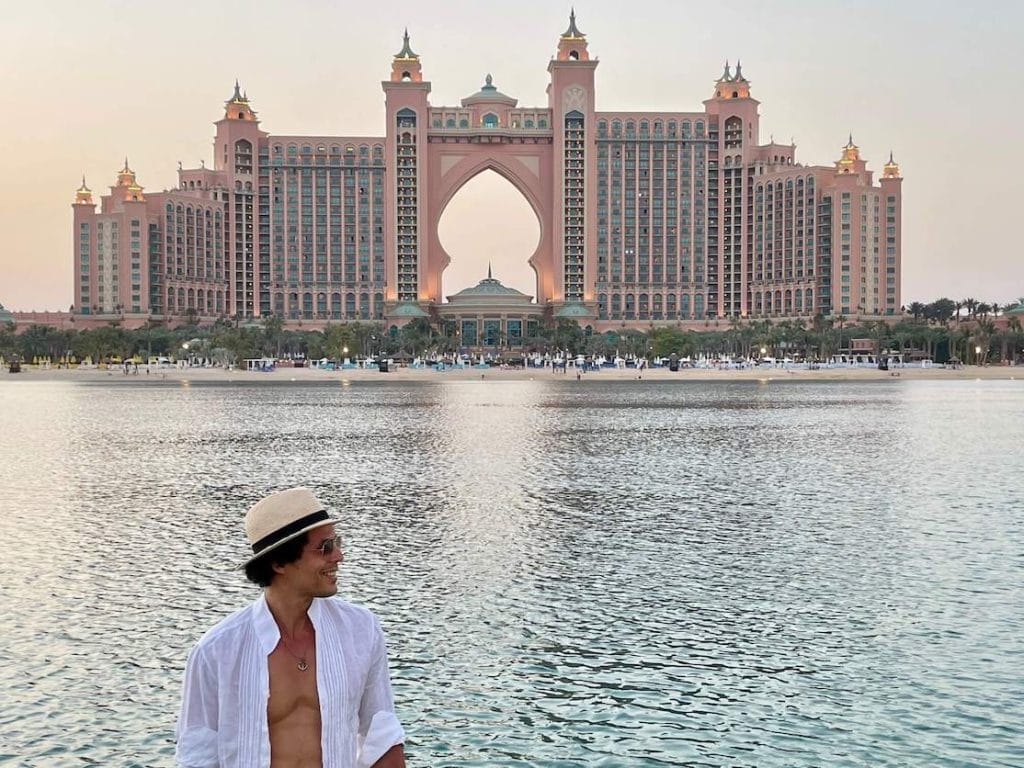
939,83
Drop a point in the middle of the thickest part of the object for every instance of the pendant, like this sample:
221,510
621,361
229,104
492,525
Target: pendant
302,665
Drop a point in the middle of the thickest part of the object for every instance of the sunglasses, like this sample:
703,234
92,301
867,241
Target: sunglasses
327,546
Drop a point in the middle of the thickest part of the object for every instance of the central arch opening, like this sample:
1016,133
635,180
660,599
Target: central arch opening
489,220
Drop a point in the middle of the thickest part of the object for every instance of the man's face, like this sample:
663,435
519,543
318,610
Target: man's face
315,574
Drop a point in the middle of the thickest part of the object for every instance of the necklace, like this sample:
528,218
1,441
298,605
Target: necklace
302,666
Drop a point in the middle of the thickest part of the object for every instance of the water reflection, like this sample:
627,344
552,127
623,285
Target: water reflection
622,574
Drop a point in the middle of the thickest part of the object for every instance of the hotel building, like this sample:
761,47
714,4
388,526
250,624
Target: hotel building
645,217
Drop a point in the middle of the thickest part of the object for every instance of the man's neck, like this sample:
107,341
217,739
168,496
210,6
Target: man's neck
289,610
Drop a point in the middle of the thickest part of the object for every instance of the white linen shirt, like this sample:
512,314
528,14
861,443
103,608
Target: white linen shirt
223,719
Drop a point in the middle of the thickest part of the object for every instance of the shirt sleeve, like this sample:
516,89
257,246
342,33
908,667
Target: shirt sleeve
379,729
198,719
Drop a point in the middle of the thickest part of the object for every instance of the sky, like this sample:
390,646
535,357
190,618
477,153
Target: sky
87,83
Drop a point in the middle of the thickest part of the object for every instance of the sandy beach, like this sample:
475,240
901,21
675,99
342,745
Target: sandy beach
315,375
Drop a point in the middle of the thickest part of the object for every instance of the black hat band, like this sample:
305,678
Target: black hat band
294,527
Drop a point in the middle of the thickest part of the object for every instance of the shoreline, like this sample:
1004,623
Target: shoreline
315,375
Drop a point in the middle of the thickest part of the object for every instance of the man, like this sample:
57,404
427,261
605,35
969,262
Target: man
299,678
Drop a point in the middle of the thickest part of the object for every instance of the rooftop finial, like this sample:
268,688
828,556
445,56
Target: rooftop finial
849,142
890,160
237,95
126,168
489,81
726,75
406,52
739,71
573,30
489,271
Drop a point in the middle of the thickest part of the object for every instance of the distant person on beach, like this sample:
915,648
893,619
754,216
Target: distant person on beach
299,677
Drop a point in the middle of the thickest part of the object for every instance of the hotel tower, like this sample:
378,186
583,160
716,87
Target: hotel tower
645,217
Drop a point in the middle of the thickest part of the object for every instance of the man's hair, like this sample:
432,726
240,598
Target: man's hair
261,570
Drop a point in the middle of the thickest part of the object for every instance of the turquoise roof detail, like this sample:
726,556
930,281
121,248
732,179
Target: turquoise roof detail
1013,309
5,316
490,94
573,310
489,286
409,309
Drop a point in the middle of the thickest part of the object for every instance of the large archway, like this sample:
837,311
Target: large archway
488,223
527,168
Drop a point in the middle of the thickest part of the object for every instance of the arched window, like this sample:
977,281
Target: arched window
490,120
449,123
574,55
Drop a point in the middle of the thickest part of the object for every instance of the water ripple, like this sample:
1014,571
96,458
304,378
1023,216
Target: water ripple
638,574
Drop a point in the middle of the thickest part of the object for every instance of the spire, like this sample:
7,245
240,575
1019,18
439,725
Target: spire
850,161
237,107
573,30
891,170
126,176
726,76
406,52
738,77
239,96
83,194
489,271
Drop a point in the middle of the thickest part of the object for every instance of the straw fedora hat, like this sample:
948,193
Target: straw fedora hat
281,517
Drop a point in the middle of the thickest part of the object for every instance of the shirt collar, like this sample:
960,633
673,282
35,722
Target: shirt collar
267,632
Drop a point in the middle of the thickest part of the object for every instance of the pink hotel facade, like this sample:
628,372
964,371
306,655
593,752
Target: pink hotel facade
645,217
